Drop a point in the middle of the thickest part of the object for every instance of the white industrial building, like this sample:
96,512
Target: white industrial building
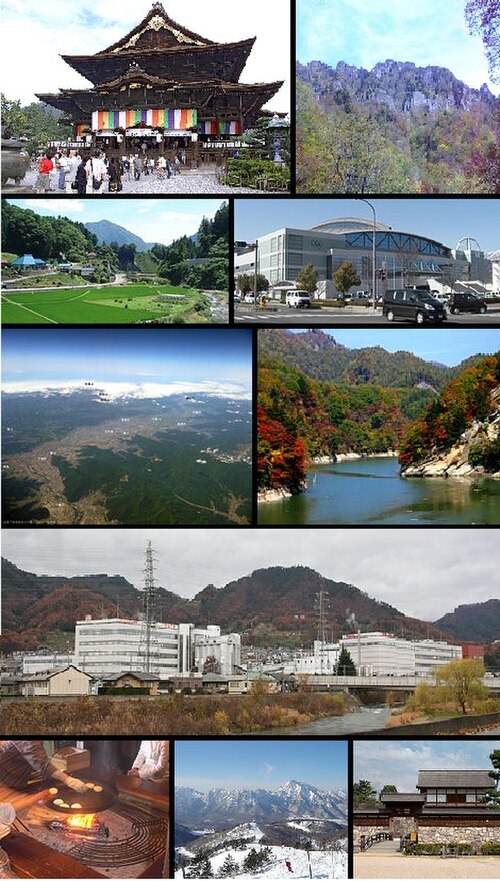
110,645
106,646
376,654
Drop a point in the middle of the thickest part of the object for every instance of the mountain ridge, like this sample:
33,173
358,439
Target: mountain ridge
107,232
401,86
273,605
220,807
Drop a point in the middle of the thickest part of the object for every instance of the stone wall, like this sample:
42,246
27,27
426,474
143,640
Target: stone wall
367,831
476,835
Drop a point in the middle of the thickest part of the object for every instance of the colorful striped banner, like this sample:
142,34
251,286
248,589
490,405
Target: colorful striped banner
157,118
209,127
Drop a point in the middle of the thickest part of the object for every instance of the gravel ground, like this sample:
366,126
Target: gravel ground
188,182
398,866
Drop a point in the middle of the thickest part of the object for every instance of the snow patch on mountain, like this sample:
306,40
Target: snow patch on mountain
116,390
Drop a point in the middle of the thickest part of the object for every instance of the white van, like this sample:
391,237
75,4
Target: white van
298,300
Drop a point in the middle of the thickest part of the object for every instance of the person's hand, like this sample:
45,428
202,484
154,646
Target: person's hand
75,784
134,772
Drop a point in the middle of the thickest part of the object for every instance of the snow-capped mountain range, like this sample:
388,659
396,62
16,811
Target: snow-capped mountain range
115,390
222,808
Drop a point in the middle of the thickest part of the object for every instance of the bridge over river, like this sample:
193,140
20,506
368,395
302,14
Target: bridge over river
388,683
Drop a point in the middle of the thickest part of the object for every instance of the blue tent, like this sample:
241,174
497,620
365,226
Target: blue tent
27,261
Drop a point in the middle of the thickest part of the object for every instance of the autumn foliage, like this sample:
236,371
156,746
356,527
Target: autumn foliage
300,419
464,400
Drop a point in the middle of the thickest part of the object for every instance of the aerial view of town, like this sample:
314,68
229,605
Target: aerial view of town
153,430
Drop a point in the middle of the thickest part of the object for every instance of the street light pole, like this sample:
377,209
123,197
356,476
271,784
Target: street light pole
374,252
255,274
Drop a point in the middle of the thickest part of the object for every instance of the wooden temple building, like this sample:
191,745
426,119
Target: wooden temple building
162,89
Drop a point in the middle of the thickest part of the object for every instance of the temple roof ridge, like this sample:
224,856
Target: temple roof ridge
157,20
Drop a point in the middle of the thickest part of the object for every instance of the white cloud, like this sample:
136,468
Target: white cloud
424,573
398,762
115,390
168,225
32,31
58,206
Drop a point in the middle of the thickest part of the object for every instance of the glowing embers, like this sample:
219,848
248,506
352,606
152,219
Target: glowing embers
81,825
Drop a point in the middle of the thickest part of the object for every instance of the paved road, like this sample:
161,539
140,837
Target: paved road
278,314
372,865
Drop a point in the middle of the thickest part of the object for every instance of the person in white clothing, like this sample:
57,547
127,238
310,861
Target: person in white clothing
96,172
33,751
73,163
151,762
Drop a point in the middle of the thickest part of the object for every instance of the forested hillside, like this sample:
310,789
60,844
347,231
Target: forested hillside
55,238
471,398
320,356
367,401
395,129
300,419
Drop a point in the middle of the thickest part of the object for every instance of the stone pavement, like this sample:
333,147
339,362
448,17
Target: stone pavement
186,183
372,865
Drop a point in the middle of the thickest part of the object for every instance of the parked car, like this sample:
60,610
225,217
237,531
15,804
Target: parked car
363,295
462,302
298,300
249,298
236,298
409,304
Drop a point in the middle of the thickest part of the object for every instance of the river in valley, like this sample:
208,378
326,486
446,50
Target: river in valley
371,491
364,719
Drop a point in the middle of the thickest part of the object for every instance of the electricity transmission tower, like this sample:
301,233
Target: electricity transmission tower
149,610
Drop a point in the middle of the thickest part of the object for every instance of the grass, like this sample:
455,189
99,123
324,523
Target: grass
124,304
172,714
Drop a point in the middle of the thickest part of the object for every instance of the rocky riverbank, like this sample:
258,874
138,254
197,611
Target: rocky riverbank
464,457
279,493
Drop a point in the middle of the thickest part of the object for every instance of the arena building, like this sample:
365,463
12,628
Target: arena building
402,258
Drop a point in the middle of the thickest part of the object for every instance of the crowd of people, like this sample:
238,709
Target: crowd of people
68,172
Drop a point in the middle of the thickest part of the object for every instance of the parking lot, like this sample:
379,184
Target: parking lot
363,316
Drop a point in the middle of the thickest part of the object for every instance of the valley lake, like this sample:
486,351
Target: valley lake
371,491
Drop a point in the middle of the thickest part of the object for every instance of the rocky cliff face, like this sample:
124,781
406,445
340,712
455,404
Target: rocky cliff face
402,87
466,458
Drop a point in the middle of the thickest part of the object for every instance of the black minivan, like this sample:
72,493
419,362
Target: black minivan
465,302
409,304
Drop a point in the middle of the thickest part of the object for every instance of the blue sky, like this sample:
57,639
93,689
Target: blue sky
447,220
31,31
398,761
154,220
365,32
444,345
127,355
260,764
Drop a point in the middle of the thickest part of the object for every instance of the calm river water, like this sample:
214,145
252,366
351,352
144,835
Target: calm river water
371,491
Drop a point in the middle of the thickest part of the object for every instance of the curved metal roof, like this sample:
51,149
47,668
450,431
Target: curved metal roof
349,224
352,225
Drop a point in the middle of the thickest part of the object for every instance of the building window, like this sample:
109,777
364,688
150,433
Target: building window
296,242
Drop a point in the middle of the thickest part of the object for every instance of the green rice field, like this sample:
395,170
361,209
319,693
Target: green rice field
124,304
